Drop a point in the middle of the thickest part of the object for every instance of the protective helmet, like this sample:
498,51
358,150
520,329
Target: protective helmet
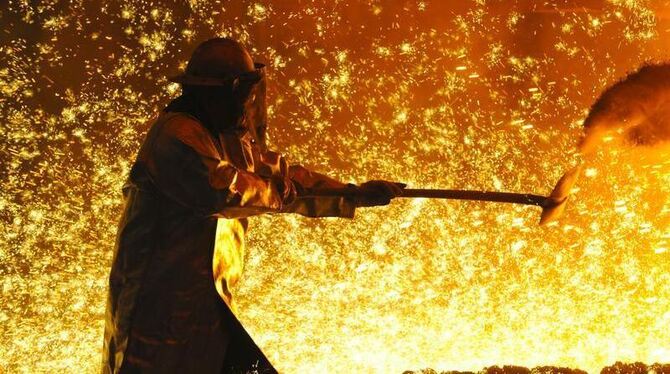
220,62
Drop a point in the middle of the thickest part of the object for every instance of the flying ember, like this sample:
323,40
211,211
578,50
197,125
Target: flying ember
505,96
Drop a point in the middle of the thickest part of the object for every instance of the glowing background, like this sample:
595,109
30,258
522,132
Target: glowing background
467,94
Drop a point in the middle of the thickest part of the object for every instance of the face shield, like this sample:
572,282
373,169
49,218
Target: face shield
242,85
239,101
246,97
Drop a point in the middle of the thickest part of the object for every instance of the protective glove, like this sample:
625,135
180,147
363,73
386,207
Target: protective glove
376,193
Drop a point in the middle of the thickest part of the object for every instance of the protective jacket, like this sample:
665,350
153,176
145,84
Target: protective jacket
169,301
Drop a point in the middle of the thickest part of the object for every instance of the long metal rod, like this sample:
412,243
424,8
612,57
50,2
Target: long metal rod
500,197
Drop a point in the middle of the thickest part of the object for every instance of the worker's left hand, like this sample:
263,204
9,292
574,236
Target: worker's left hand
377,192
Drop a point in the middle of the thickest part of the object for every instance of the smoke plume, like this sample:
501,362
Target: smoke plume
635,111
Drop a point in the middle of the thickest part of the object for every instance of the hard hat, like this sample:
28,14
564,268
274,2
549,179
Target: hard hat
220,62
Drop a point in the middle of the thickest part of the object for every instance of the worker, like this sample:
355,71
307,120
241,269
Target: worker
202,169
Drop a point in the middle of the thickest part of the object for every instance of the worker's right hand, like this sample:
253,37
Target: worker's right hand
376,193
286,188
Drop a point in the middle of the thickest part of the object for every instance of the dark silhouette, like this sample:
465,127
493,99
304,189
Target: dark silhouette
204,158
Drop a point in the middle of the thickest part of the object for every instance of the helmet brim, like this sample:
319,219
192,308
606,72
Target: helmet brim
194,80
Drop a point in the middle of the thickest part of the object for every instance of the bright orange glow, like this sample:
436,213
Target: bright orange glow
228,261
453,94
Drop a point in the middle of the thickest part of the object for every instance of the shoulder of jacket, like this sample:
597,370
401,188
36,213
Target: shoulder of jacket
175,121
187,130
